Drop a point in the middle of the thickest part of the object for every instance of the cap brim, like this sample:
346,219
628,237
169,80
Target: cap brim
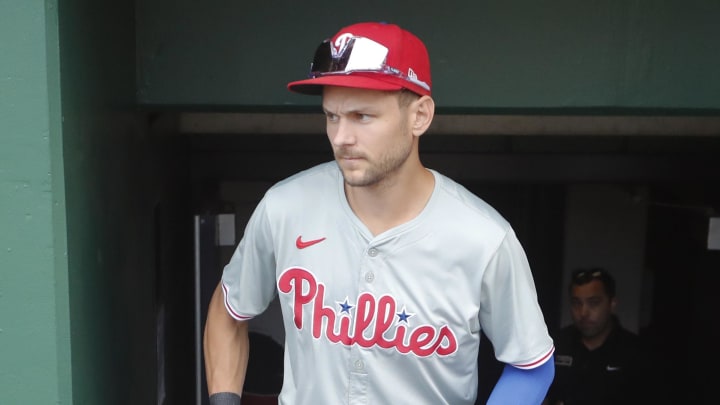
314,86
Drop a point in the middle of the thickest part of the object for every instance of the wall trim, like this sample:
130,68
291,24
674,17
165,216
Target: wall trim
450,124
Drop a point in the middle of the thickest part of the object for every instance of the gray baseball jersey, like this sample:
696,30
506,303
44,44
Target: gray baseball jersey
393,318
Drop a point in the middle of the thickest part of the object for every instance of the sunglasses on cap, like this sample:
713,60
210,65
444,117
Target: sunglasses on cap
587,274
358,55
583,276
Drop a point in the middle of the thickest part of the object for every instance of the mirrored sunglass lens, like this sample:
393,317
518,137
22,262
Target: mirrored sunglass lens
343,56
359,54
323,60
365,54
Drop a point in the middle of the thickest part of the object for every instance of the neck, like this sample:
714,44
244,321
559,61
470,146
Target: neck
595,341
394,201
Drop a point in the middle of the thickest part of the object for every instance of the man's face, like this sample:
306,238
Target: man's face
369,132
591,308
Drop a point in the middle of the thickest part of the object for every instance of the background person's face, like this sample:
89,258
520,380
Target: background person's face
591,308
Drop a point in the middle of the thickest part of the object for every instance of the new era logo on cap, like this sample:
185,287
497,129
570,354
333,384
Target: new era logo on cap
370,55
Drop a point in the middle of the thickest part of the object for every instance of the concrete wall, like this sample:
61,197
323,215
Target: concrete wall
605,226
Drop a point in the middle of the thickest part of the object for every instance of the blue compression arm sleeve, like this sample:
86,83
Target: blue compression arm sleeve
523,387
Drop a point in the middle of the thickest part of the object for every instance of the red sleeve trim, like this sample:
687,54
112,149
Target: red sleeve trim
538,362
229,308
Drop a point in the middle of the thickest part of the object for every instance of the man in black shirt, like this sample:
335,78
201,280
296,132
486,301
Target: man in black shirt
597,361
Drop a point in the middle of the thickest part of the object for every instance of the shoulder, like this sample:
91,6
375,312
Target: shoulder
626,338
323,172
623,335
308,182
459,202
304,192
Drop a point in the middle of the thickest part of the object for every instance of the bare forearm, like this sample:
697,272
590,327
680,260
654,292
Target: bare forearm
226,348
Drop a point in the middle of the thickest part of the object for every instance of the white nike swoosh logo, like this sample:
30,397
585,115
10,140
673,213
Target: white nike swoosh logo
611,368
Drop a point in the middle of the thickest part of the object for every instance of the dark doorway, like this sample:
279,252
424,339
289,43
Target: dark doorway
685,275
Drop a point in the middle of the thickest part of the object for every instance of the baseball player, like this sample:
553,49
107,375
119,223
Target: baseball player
386,271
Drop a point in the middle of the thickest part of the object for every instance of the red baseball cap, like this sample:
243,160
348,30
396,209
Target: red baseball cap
369,55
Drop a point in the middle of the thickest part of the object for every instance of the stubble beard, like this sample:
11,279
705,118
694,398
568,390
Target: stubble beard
593,329
377,171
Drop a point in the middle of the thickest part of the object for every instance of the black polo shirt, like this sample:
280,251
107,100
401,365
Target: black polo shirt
611,374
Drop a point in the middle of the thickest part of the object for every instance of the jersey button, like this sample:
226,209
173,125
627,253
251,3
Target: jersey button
372,252
369,277
359,366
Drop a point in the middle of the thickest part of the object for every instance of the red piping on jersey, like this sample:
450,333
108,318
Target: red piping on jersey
229,309
537,363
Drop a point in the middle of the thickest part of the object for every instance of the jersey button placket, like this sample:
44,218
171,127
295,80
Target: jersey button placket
369,275
359,378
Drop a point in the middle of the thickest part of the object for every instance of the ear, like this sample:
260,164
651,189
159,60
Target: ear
423,113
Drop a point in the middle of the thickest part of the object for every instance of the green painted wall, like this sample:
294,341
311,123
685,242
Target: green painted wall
34,319
485,55
81,183
111,192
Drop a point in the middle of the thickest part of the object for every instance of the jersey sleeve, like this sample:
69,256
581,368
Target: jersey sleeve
510,314
248,280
